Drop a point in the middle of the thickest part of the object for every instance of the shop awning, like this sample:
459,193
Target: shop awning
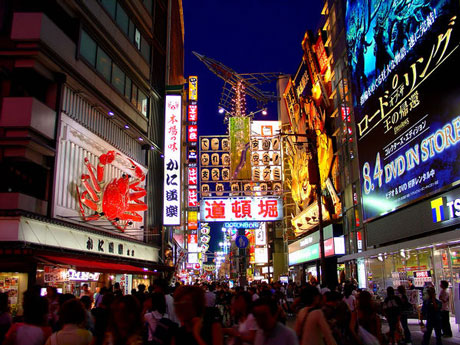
97,266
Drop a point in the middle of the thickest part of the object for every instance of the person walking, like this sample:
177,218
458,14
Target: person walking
199,325
245,331
5,317
392,311
444,297
271,332
431,312
406,311
34,330
72,315
311,325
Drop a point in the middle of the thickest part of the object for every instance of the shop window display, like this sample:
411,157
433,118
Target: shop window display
14,284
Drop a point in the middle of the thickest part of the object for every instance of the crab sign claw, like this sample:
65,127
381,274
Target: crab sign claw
137,171
104,159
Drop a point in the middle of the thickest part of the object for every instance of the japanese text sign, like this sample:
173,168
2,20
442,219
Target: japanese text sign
193,88
192,197
193,112
241,209
193,133
172,160
192,176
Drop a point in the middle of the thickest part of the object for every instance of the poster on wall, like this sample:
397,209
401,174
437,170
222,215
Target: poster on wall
407,107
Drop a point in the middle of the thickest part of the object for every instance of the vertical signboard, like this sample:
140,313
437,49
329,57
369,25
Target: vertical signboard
172,161
240,148
193,88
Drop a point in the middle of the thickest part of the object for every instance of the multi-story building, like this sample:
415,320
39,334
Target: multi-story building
83,84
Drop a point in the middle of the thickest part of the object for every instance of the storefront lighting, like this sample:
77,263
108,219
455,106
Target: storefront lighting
111,277
402,253
145,269
145,277
221,110
126,127
140,139
380,257
264,112
110,113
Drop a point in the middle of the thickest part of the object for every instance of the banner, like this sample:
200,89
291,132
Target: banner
240,148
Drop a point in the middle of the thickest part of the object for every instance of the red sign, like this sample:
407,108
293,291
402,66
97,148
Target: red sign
192,133
193,113
193,176
329,247
321,54
192,198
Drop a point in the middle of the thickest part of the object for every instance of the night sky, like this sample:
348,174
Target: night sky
248,36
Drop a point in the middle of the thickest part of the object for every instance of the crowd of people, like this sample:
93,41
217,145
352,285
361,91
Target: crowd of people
214,314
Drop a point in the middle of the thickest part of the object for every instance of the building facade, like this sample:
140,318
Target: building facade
82,99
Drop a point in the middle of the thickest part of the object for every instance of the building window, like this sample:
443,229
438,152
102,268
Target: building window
110,6
88,48
118,78
103,63
99,59
148,5
143,103
122,19
145,49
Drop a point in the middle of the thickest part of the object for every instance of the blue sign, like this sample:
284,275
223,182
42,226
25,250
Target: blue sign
404,56
242,225
241,241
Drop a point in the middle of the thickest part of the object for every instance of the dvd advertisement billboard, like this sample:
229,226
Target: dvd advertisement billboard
406,96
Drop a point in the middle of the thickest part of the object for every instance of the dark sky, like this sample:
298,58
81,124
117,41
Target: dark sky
248,36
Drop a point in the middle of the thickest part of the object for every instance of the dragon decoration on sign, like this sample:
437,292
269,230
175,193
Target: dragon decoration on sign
117,199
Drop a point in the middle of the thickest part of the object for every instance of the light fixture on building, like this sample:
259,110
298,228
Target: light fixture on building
380,257
111,113
264,112
126,127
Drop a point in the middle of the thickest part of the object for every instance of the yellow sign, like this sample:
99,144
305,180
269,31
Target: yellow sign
193,88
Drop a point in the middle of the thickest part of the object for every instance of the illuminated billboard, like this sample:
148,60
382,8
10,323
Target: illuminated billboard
241,209
193,88
172,160
404,57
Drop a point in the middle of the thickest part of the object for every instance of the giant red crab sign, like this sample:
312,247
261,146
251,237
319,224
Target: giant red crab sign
116,200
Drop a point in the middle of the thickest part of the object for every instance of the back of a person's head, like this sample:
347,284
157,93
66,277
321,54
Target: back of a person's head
107,299
247,298
347,290
266,301
72,312
333,296
401,289
86,300
196,296
35,308
365,301
141,287
444,284
159,302
65,297
308,294
390,291
3,302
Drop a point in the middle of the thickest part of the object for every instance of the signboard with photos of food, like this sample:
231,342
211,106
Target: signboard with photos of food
407,109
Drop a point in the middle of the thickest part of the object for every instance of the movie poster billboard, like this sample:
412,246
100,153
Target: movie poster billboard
404,58
240,167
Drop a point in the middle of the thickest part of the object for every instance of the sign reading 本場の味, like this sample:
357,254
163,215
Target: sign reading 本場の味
172,160
404,63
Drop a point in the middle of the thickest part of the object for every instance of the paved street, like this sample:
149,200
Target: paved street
417,335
